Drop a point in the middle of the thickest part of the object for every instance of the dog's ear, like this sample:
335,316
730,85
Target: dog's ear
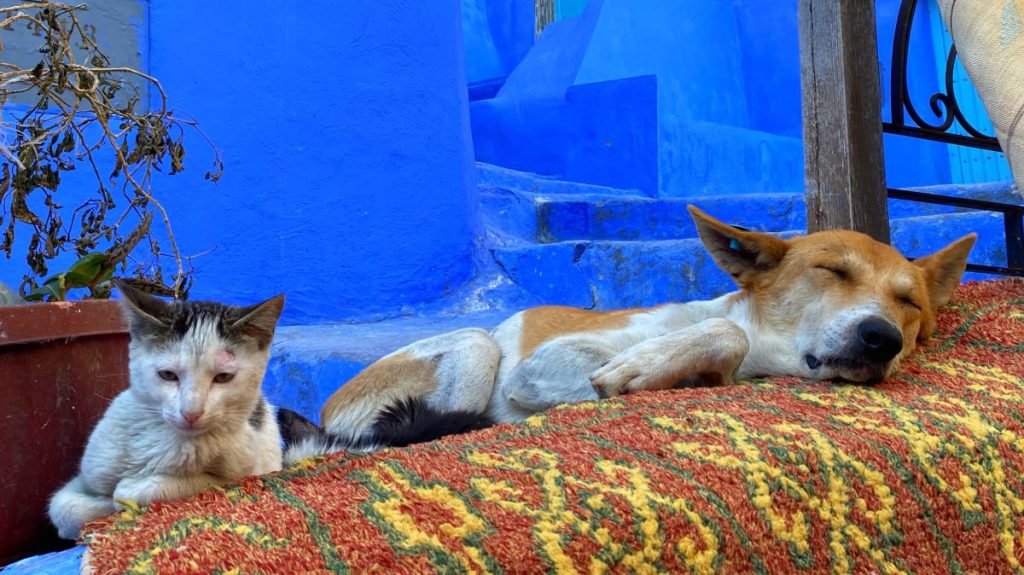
944,268
742,254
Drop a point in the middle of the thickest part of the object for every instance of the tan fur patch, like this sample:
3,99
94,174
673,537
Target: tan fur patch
385,382
541,324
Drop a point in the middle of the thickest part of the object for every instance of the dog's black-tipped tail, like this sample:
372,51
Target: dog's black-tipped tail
405,423
302,438
413,421
294,427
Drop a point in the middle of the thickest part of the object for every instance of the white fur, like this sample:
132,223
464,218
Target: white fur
771,351
142,449
465,370
355,421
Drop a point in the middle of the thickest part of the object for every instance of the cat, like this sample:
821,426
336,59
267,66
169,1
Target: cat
193,417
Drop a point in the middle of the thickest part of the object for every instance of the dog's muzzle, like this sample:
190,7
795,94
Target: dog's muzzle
875,342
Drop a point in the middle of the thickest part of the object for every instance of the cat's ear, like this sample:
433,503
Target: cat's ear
142,309
258,321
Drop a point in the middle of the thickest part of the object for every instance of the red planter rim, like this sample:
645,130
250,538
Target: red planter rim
41,322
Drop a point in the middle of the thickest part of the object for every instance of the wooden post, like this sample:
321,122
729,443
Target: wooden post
842,114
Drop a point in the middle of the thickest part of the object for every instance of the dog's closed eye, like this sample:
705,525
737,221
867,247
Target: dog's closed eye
910,302
836,271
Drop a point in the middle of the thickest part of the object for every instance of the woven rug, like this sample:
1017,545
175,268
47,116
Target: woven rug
922,474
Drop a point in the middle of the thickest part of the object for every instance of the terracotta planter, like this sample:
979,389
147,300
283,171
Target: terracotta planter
60,365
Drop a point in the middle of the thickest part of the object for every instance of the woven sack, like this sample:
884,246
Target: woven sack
989,37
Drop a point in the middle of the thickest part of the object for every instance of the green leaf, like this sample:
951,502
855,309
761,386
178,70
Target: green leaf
89,265
87,271
52,290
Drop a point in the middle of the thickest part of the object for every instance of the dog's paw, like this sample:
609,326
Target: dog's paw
624,374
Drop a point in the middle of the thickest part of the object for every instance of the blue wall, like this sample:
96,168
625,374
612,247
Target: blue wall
543,121
349,171
569,8
349,177
693,48
770,48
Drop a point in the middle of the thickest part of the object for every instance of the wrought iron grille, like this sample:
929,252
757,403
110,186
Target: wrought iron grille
946,109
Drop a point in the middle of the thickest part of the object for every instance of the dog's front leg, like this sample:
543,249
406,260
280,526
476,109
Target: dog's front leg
713,349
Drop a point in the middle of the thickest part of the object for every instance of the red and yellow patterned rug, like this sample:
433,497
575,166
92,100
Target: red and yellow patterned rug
923,474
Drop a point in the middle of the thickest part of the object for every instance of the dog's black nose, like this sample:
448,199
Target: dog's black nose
880,340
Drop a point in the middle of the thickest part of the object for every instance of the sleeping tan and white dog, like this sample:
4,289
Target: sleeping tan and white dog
830,305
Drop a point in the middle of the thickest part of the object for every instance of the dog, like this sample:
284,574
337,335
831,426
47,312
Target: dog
830,305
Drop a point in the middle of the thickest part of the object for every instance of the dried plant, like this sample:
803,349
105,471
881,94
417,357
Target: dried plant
85,114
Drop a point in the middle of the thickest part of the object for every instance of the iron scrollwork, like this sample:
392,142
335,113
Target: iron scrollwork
946,108
944,104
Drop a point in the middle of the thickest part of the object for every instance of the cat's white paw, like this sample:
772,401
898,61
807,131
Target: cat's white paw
141,490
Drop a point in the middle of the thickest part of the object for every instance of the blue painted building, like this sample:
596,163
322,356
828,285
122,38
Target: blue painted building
364,144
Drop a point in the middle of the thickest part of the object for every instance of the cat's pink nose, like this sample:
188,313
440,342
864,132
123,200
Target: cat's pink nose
191,416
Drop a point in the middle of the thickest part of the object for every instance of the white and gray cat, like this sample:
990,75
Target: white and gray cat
194,415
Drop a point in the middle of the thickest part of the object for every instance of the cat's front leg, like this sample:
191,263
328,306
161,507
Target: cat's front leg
147,489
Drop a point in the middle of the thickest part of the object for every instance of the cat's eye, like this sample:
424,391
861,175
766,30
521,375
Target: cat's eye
167,375
223,377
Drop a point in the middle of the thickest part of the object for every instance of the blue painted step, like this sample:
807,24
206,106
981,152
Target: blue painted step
490,176
608,274
550,218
